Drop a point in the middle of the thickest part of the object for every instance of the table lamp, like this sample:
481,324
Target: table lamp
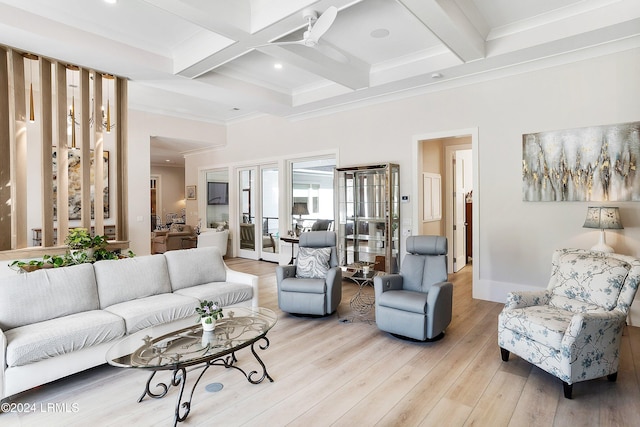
603,218
299,209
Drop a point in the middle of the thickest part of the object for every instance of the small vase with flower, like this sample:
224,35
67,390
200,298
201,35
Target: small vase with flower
209,312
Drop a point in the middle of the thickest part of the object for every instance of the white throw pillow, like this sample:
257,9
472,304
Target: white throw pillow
313,263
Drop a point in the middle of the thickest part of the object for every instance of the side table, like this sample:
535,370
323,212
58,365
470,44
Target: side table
362,303
294,241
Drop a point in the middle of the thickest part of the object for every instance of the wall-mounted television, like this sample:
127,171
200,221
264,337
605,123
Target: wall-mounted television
217,193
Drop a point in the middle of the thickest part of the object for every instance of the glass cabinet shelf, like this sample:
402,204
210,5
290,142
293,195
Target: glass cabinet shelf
368,225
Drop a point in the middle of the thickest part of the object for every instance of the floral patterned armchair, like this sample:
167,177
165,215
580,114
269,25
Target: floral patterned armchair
573,328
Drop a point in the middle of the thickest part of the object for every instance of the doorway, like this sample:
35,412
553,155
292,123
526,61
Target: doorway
453,156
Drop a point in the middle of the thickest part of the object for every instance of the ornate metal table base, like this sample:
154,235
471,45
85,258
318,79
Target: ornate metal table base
179,378
362,303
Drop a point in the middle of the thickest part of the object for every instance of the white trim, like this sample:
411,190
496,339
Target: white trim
490,290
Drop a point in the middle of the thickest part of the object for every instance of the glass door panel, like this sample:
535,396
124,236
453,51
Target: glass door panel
270,214
247,215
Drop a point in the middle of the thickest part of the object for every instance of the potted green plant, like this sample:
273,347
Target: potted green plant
47,261
82,246
209,312
78,239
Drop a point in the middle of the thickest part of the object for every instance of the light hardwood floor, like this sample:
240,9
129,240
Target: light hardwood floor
331,372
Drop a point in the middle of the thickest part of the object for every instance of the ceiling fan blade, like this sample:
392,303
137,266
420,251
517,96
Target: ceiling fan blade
323,23
280,43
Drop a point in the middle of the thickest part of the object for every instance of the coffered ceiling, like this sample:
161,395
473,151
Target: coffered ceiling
212,59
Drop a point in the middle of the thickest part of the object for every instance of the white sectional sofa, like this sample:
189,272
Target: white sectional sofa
59,321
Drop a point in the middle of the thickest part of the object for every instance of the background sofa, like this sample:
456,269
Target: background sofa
59,321
172,239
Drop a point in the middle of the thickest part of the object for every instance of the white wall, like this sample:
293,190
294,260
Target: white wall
516,238
142,126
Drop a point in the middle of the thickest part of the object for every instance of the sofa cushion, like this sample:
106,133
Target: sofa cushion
592,278
51,338
131,278
153,310
224,293
192,267
46,294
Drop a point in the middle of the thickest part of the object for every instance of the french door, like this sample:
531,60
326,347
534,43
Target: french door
259,219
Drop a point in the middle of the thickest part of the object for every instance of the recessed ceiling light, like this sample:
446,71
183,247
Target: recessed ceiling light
168,161
379,33
277,66
111,1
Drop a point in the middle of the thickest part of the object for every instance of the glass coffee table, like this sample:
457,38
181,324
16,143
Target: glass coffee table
182,344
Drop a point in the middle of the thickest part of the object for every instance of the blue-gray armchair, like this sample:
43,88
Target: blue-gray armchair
417,302
313,286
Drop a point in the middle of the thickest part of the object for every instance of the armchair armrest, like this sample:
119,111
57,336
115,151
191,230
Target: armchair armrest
439,306
591,344
160,236
526,299
388,282
593,325
245,279
334,286
285,272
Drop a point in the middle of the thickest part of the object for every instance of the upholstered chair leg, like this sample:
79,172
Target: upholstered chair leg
568,389
505,354
612,377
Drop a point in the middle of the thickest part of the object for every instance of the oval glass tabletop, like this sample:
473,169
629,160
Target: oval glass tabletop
183,342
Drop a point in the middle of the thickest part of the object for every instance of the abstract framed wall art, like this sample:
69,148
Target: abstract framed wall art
596,163
75,194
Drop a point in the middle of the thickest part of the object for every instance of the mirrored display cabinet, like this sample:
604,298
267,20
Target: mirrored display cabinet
368,229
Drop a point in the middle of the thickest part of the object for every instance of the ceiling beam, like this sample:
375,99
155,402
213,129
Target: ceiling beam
353,73
226,22
447,22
